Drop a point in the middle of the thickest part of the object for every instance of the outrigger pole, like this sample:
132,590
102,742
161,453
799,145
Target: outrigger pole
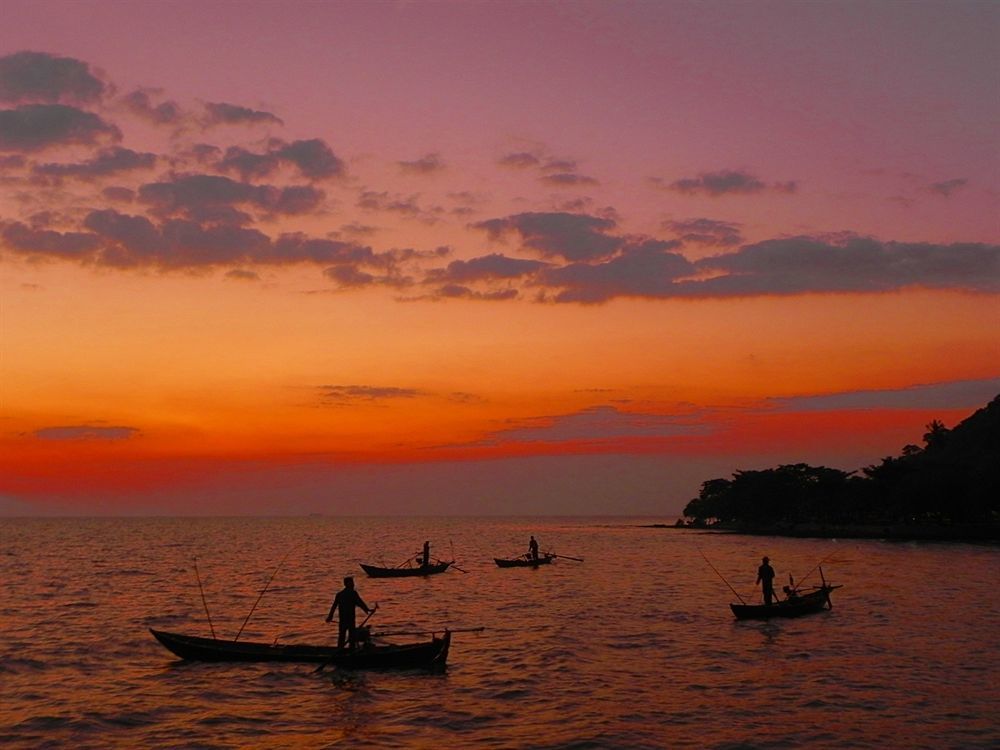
721,576
260,596
207,614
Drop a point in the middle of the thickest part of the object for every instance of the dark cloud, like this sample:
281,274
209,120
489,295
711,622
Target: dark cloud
119,194
239,274
725,182
706,232
575,237
559,165
220,113
44,78
646,268
799,265
86,432
487,267
12,161
313,158
297,247
106,161
344,395
427,164
38,126
947,187
188,194
519,160
21,238
399,204
567,179
955,394
459,291
140,102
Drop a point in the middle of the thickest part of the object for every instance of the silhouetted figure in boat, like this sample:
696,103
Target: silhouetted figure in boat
345,602
425,559
765,577
533,549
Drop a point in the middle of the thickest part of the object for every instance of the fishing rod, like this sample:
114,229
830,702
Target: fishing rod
261,595
720,576
817,565
480,629
453,558
565,557
205,603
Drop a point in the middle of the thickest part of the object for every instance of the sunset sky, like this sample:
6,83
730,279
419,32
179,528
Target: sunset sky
485,257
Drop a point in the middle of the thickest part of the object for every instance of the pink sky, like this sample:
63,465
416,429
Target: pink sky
485,257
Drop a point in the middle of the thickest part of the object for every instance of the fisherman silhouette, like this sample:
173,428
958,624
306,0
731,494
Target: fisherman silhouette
425,560
345,602
765,577
533,548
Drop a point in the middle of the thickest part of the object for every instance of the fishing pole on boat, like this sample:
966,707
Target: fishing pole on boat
261,595
204,603
480,629
720,576
564,557
453,558
817,566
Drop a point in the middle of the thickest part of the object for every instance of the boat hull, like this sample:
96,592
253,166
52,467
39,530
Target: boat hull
804,604
520,562
426,655
377,572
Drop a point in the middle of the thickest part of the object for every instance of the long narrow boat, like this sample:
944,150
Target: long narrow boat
792,606
376,571
426,655
524,561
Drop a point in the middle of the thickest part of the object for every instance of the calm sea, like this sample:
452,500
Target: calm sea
633,648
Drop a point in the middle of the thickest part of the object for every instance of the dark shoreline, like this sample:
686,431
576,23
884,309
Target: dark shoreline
893,532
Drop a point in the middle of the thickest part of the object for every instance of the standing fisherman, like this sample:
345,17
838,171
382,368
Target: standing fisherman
765,577
425,561
533,549
344,603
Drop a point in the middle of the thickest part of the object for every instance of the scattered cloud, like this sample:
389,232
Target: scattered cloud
570,236
947,187
347,395
313,158
85,432
193,193
39,77
724,182
799,265
427,164
107,161
706,232
140,102
221,113
241,274
567,179
519,160
600,424
33,127
957,394
487,267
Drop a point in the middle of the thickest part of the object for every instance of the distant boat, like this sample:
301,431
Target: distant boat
524,561
795,605
425,655
376,571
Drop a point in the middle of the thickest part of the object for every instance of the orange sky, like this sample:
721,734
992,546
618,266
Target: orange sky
596,246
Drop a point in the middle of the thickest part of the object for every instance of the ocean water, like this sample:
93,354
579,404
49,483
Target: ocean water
633,648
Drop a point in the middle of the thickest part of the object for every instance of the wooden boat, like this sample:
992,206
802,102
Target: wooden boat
794,605
524,561
376,571
427,655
